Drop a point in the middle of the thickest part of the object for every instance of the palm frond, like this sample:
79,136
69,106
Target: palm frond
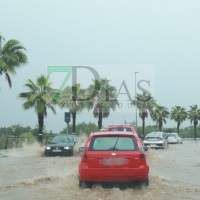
2,40
8,79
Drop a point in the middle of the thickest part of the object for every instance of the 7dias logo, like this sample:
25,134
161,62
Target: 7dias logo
73,71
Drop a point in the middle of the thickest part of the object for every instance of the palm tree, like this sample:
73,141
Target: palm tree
102,99
38,97
160,114
72,98
145,103
178,114
194,116
12,56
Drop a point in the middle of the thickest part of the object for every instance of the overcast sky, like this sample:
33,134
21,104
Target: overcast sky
159,39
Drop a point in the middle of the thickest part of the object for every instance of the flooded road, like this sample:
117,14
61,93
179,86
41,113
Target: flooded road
26,175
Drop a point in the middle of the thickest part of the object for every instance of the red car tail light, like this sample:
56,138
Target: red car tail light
146,138
142,159
142,155
84,155
160,138
175,137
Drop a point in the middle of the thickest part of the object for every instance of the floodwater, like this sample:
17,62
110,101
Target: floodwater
27,175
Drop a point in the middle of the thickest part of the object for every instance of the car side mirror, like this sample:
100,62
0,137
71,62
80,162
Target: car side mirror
145,148
81,149
141,137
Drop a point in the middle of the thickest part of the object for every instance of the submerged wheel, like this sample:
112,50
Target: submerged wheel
47,154
163,147
145,183
70,153
83,184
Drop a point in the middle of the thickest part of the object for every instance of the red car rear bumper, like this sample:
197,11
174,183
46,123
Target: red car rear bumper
113,174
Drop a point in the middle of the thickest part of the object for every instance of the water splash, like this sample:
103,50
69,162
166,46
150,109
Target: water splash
32,150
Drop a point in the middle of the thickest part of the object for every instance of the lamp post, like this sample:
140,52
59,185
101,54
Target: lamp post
135,102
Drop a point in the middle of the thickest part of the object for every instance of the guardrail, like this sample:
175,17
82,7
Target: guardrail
18,142
191,138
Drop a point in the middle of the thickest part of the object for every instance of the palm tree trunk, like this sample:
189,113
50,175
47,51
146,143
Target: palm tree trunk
195,129
143,125
100,118
74,122
160,125
178,126
41,123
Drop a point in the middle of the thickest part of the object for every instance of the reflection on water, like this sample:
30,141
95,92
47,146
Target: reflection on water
173,175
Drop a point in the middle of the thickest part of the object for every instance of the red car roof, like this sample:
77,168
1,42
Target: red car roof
122,133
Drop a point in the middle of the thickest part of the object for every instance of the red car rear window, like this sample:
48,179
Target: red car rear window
110,143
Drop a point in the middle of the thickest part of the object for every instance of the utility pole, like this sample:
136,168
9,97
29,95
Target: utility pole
135,102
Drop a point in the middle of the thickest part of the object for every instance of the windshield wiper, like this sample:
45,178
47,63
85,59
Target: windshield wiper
115,143
69,139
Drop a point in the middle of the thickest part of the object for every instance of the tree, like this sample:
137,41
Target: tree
194,116
17,129
65,130
82,128
27,129
102,99
3,131
12,56
145,103
178,114
35,130
26,139
72,98
39,97
14,130
160,114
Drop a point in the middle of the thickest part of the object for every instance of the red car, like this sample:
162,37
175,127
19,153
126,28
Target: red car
113,157
121,127
124,128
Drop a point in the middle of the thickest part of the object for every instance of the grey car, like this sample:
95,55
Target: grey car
156,140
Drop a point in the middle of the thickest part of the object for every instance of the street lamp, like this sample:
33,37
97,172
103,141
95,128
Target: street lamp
135,102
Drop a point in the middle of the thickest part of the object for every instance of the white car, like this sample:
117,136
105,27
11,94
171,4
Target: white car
174,138
156,140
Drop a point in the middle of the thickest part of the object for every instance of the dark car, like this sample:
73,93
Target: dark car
61,145
73,138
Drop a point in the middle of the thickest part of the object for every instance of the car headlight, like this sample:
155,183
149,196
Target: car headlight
67,147
48,148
